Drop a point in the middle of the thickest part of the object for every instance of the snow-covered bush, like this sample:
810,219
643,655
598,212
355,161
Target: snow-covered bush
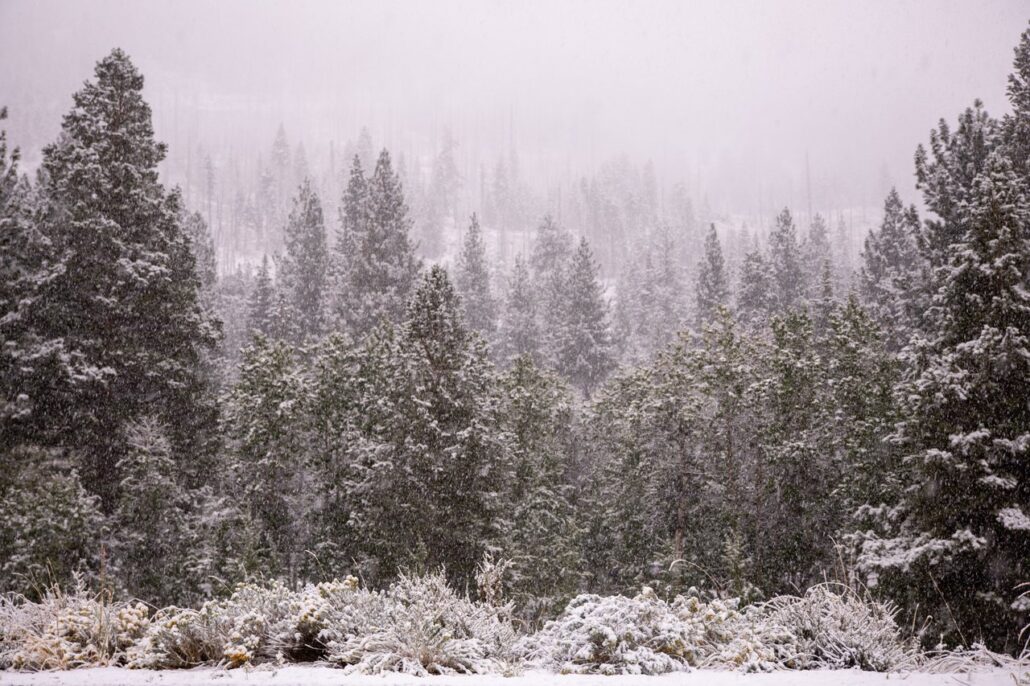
68,630
613,635
319,614
838,628
420,626
234,631
725,637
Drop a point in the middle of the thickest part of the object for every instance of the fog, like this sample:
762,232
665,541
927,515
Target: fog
752,105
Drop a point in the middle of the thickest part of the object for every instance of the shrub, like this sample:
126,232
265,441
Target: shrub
420,626
613,635
837,627
234,631
68,630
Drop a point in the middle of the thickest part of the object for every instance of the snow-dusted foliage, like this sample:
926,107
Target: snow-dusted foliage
838,628
829,627
255,623
68,630
613,635
420,626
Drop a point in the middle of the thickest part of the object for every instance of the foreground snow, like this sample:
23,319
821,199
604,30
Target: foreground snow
318,675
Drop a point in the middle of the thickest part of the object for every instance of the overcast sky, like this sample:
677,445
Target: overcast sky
730,95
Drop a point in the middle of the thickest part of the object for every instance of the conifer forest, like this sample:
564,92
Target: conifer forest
522,340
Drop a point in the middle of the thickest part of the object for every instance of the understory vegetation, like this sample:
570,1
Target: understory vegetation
420,626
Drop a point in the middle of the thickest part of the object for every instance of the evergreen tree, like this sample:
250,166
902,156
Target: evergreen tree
583,347
965,522
712,289
150,517
444,183
29,362
1016,126
817,253
788,278
50,526
891,269
262,303
549,263
542,541
380,269
431,460
125,301
203,247
519,330
304,268
755,295
472,281
265,433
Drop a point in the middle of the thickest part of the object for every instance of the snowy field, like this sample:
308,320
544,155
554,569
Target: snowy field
298,675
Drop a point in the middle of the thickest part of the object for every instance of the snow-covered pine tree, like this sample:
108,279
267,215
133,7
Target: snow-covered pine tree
203,248
519,330
549,264
711,290
1016,126
380,268
28,361
125,301
268,453
798,512
432,458
816,254
965,517
542,539
303,269
755,294
583,342
261,302
668,291
891,272
50,526
788,276
444,184
472,281
150,518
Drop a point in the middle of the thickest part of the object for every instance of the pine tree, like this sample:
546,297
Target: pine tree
1016,126
203,248
965,422
125,302
28,361
583,345
519,331
50,526
431,459
472,281
444,184
712,289
549,264
304,268
817,253
261,303
380,271
890,277
150,518
542,538
788,278
755,295
268,453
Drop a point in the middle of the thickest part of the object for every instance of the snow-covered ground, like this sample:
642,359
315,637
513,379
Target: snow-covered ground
300,675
